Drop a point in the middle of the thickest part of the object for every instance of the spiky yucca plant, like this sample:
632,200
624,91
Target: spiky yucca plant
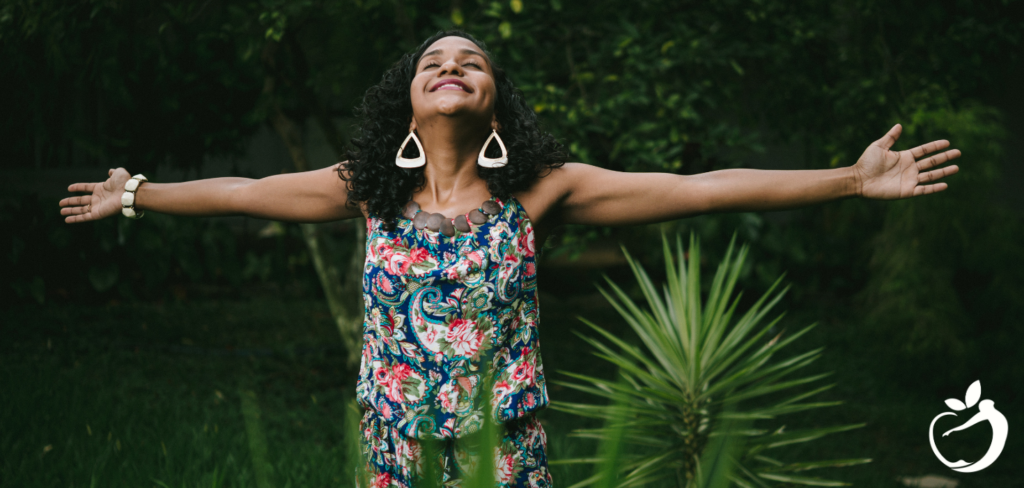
705,369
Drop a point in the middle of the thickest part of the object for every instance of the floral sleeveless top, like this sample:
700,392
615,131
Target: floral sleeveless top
438,309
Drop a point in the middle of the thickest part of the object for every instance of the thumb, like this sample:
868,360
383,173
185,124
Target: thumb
890,137
110,172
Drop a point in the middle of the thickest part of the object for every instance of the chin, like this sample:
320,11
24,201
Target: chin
453,108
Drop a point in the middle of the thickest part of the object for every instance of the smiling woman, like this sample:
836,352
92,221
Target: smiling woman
451,303
418,95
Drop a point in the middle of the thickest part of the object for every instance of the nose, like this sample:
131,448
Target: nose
450,67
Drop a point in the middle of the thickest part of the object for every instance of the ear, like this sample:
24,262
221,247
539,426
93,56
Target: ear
495,124
412,125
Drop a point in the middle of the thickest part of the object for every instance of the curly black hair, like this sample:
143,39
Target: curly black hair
370,171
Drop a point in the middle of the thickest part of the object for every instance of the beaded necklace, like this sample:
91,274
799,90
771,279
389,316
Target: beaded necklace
438,222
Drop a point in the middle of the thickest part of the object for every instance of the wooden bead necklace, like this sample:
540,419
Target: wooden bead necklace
437,222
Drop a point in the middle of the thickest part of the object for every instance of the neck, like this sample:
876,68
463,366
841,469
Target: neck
451,145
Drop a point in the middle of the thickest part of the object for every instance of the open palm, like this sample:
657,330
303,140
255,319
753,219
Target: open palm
104,201
888,175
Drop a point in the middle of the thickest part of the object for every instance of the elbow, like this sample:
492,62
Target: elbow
238,197
699,196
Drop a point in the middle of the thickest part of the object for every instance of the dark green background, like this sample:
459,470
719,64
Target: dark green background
132,327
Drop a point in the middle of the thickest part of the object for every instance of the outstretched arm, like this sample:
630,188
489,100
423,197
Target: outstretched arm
311,196
592,195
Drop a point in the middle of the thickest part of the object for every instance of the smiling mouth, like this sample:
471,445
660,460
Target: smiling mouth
451,85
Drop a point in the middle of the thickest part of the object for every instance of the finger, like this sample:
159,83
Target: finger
937,159
76,210
929,189
110,172
74,219
80,187
76,201
890,137
937,174
931,147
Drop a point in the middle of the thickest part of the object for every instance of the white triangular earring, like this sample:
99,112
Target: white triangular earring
493,162
411,163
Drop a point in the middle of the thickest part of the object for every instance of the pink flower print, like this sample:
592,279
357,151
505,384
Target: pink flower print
524,373
531,269
452,274
448,427
401,371
391,380
398,263
382,480
385,284
381,374
449,397
476,257
504,468
508,266
431,335
380,248
529,401
464,337
525,246
419,255
393,390
408,454
500,391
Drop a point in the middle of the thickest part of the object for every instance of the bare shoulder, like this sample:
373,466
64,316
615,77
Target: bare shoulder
546,195
574,170
562,178
553,183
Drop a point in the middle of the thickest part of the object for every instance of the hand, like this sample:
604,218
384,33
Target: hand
104,201
888,175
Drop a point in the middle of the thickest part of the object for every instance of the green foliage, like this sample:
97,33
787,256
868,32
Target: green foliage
648,86
155,258
945,268
705,364
112,396
121,83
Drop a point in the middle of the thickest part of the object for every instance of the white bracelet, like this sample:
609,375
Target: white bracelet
128,197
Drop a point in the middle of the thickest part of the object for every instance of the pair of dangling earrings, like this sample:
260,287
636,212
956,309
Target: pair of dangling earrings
482,160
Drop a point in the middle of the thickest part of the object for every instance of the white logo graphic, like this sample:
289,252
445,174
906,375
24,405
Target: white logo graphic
986,411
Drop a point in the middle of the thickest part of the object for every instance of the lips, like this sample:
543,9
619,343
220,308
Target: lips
451,84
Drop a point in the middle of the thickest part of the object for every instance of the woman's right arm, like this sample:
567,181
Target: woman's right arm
310,196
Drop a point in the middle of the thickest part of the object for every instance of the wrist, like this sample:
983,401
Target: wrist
128,198
854,182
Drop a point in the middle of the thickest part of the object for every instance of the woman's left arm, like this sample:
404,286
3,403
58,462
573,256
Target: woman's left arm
596,196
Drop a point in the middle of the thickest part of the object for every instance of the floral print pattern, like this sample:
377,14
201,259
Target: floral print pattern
396,461
440,313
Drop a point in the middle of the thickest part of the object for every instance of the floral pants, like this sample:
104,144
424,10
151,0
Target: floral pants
394,460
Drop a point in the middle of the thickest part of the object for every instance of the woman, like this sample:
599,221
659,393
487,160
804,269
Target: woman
450,282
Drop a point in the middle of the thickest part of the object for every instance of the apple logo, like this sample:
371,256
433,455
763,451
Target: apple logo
986,412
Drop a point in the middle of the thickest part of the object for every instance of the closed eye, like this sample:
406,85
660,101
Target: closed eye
473,64
430,64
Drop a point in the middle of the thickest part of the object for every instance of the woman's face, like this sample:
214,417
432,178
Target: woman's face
453,78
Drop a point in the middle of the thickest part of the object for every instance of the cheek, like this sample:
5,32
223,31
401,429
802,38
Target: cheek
416,90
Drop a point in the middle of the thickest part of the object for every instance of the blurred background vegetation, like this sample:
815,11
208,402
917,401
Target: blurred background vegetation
126,342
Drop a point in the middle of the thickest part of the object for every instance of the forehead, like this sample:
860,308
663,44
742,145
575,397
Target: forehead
451,45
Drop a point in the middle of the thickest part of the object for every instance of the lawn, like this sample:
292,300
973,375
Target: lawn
188,394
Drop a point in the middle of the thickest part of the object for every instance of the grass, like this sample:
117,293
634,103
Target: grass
155,395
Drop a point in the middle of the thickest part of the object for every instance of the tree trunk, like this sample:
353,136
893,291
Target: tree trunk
343,291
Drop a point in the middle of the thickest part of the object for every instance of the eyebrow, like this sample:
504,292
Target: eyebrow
463,51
